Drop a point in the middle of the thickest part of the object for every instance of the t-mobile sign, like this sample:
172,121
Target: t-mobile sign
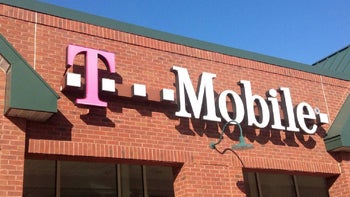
202,103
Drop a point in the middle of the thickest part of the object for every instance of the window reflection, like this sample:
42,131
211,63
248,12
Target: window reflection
39,178
46,178
132,183
87,179
276,185
157,176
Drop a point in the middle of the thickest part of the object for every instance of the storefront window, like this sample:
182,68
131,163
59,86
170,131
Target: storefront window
132,182
312,186
39,178
87,179
157,176
47,178
275,185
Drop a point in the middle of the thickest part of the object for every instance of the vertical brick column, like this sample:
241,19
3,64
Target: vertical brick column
340,186
182,181
12,145
12,149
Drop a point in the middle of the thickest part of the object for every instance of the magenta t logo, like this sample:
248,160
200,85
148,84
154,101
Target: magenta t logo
91,78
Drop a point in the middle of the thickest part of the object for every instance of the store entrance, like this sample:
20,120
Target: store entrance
89,179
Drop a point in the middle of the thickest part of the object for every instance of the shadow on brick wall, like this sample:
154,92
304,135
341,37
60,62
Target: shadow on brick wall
97,116
58,127
261,136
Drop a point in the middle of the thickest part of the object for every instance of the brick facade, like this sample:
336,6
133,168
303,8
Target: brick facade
137,131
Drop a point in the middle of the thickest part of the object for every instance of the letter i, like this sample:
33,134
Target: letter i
276,116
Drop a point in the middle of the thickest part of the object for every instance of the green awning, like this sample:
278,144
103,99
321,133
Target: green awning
338,136
27,94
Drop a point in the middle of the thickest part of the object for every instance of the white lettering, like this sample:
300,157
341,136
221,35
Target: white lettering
276,116
205,84
288,109
305,111
237,105
250,100
243,106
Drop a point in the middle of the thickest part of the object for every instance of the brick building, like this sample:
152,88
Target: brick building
97,107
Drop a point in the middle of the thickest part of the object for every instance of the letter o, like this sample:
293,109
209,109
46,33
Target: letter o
236,101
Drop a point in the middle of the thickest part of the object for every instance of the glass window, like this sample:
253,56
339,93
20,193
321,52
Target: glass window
47,178
87,179
132,182
156,176
39,178
271,185
312,186
251,185
276,185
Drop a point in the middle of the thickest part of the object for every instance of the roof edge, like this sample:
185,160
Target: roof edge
163,36
331,55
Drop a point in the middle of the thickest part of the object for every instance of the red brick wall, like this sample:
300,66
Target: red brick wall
12,150
136,131
339,186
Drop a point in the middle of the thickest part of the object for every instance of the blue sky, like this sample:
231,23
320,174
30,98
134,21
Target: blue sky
299,30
